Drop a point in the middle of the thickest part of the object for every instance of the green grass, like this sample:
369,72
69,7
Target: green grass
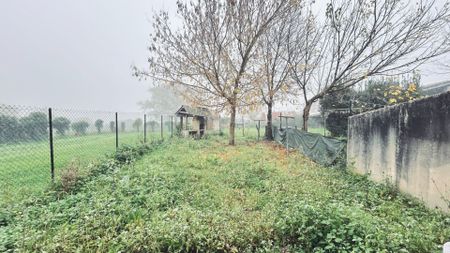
206,196
25,167
321,131
251,132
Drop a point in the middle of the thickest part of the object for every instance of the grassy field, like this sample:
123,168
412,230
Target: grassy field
206,196
25,167
251,133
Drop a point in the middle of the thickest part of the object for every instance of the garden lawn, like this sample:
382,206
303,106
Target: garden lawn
205,196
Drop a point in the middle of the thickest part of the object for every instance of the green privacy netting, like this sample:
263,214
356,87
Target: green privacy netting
323,150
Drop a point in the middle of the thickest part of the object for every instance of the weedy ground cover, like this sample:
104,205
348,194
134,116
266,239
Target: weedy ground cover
206,196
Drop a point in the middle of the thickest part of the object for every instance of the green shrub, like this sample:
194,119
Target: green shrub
80,127
329,228
99,125
69,176
34,126
337,123
128,154
9,129
61,125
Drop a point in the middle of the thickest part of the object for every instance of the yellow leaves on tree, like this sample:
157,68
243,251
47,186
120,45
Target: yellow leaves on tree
395,94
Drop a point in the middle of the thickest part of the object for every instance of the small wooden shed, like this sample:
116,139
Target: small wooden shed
196,121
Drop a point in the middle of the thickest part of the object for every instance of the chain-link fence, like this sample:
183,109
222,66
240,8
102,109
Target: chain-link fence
36,143
246,128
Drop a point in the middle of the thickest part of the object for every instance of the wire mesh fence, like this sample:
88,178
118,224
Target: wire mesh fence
36,143
23,145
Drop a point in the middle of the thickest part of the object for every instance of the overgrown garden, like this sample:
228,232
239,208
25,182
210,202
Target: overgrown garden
205,196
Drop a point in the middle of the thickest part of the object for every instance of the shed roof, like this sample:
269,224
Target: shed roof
186,110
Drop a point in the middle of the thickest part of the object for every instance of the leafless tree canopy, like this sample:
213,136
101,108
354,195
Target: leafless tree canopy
208,56
271,70
363,38
235,53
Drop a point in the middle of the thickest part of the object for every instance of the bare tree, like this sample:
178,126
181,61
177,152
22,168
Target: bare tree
162,101
306,49
206,59
363,38
271,69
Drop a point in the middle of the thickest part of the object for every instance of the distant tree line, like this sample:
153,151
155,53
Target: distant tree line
35,127
31,127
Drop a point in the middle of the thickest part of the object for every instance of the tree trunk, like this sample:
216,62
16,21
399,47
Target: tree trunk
306,111
232,125
268,133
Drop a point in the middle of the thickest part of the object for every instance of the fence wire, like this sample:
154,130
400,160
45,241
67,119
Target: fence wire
77,137
29,135
24,149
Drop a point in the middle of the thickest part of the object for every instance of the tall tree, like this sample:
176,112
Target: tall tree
363,38
137,124
34,126
80,127
207,58
99,125
271,70
112,126
9,128
61,125
162,101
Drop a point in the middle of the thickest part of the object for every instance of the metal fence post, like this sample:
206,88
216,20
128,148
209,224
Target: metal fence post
162,128
281,121
171,126
52,157
243,127
145,128
287,141
117,130
220,128
259,128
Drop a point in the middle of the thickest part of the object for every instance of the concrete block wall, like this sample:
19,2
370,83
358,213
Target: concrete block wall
408,144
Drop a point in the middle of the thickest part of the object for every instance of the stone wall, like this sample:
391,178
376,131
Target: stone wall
408,144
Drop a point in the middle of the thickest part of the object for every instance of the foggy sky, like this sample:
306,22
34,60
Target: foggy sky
74,54
77,54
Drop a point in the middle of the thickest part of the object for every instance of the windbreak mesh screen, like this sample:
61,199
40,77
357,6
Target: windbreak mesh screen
323,150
